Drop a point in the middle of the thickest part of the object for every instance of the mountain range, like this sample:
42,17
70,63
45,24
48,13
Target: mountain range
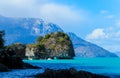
26,30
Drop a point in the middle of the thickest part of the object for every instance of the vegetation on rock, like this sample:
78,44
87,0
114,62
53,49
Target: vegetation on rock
53,45
16,49
11,57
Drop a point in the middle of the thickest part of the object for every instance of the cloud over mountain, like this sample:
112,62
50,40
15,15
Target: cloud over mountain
106,37
64,15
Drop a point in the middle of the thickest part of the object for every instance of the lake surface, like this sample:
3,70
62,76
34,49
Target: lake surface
104,66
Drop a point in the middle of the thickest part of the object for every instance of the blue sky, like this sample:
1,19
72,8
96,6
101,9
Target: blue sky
97,21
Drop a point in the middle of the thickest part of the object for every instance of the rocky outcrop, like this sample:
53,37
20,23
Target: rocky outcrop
8,62
17,49
10,57
3,68
68,73
14,63
52,45
30,51
59,45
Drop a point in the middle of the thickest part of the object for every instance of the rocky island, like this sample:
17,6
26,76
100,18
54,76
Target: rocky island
55,45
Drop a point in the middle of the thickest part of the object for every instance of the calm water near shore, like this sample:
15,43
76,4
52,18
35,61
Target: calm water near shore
104,66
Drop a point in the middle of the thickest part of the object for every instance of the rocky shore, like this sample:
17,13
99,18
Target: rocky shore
68,73
9,63
4,68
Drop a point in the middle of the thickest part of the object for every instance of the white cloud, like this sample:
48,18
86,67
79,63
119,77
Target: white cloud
103,11
110,16
118,23
107,14
61,12
62,15
106,37
96,34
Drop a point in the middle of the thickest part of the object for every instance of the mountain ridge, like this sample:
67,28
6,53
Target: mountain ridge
86,49
26,30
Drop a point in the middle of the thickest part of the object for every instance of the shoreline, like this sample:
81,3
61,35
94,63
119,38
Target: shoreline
100,66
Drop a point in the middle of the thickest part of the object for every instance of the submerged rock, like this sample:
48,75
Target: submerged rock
68,73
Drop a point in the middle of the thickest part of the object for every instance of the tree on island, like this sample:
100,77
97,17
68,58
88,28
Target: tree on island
41,52
52,45
39,39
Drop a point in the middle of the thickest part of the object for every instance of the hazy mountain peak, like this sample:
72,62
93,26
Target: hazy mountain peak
19,29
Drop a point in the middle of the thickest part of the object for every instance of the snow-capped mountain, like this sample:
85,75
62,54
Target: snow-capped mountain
26,30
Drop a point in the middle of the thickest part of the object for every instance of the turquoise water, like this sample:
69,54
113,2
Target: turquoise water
95,65
105,66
